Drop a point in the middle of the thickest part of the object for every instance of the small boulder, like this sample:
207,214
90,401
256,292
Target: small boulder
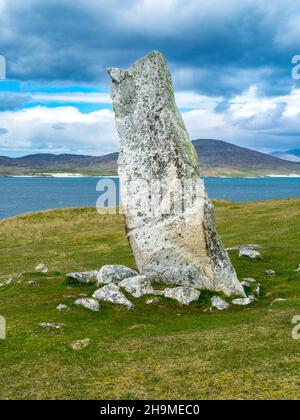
90,304
51,325
244,301
80,344
42,268
270,272
298,269
85,277
250,280
219,303
184,295
9,281
250,253
245,283
32,283
114,274
257,290
62,307
137,286
111,293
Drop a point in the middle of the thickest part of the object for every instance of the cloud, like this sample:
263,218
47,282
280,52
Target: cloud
213,47
58,130
249,119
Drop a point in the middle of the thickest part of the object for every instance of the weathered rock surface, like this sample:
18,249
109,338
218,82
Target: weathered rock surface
250,253
91,304
61,307
111,293
249,280
183,294
51,325
270,272
244,301
85,277
219,303
174,239
137,286
80,344
114,274
42,268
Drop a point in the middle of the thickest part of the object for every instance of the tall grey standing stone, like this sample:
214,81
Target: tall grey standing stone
179,246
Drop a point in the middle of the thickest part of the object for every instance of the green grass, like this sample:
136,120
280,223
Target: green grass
154,351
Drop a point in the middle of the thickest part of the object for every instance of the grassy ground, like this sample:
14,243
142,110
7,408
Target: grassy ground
154,351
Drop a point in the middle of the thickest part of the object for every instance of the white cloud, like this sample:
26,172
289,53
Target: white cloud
249,120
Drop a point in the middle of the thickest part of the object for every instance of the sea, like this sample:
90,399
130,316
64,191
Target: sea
23,195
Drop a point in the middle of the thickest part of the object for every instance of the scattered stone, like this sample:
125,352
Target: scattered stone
32,283
244,301
90,304
270,272
111,293
254,255
278,300
80,344
51,325
152,301
250,280
245,284
248,246
114,274
85,277
183,294
179,245
42,268
219,303
62,307
298,269
137,286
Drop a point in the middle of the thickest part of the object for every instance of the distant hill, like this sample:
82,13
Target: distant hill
291,155
217,158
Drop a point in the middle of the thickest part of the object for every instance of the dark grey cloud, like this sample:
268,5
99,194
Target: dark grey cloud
215,47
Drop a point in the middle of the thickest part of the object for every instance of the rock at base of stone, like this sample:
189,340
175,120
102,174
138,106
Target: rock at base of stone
114,274
254,255
111,293
248,246
249,280
137,286
42,268
91,304
184,295
85,277
244,301
219,303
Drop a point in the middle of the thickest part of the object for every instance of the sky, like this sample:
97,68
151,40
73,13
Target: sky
231,64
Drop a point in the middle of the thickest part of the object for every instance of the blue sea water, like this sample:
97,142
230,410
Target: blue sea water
23,195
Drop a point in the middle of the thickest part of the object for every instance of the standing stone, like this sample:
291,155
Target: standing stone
174,239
